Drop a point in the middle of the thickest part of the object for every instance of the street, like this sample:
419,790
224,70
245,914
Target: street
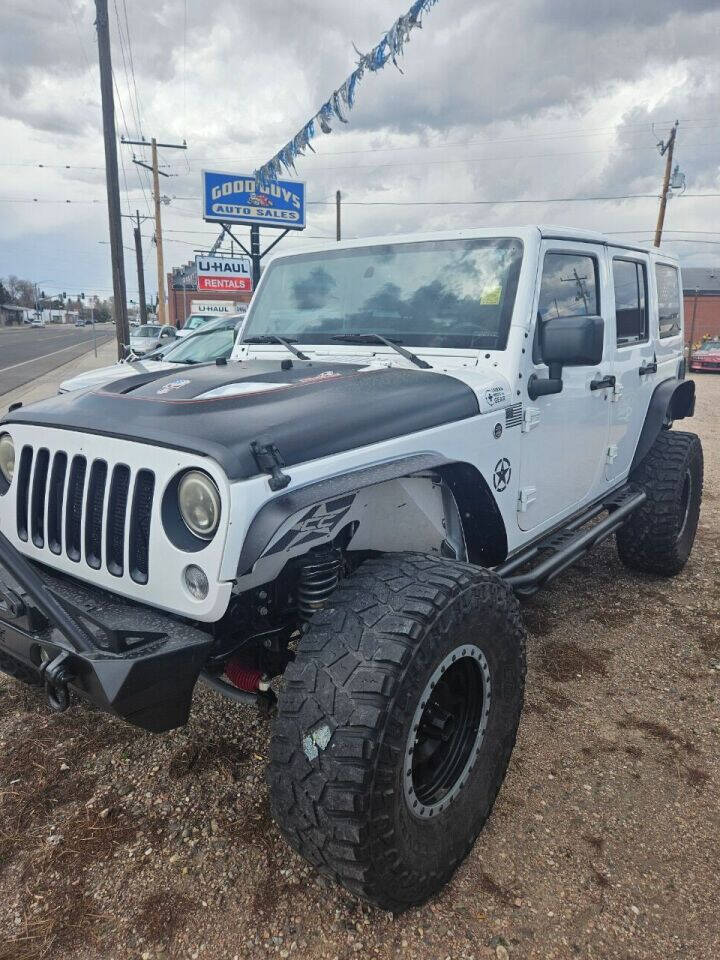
27,353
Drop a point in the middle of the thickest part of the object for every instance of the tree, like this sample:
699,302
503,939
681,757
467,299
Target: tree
21,291
5,296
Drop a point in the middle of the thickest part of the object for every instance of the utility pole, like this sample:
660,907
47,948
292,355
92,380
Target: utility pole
158,236
153,144
338,232
140,269
122,329
665,148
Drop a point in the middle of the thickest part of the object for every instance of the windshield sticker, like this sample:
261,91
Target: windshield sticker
490,294
173,385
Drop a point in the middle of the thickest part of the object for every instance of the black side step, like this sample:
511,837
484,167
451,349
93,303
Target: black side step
561,548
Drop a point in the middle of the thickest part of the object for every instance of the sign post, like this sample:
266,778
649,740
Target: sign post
230,198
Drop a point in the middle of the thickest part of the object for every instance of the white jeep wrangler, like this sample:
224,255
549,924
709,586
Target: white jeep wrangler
411,432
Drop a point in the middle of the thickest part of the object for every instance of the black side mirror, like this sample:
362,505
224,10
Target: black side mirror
567,341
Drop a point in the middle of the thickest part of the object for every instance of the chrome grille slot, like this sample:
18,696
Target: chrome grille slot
23,493
140,525
55,502
37,497
94,514
116,512
74,506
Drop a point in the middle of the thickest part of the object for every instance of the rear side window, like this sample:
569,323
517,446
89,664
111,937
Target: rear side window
569,286
631,315
668,290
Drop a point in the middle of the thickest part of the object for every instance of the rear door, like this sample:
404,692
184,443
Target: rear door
635,361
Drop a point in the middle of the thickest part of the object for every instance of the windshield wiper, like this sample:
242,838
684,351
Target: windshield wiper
378,338
283,341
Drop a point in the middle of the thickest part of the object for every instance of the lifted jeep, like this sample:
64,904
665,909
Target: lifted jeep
411,433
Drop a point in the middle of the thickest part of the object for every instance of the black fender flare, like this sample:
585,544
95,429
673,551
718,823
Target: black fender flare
481,519
271,516
671,400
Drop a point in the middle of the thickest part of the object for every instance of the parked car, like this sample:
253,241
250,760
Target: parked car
214,341
707,358
149,336
37,322
81,322
351,511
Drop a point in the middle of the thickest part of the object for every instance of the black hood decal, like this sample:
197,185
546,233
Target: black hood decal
307,409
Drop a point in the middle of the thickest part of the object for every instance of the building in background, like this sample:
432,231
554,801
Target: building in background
701,297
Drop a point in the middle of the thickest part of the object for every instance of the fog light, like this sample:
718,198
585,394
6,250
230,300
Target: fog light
196,581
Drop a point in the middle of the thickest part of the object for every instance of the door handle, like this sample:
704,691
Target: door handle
648,368
603,383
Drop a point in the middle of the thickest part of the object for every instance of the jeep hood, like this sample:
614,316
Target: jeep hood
116,371
307,409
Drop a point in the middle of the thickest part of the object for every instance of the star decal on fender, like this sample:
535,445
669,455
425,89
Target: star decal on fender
502,474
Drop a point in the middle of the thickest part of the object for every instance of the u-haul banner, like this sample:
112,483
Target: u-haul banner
224,273
237,198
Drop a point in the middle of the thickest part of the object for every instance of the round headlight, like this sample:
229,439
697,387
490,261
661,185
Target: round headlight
199,503
7,456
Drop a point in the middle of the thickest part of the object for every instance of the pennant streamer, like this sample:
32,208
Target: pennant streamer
343,99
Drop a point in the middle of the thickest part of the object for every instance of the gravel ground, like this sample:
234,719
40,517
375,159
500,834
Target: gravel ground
604,842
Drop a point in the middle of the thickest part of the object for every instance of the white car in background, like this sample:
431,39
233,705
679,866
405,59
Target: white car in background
213,342
149,336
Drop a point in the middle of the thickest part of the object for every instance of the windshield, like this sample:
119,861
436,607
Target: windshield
196,320
439,293
147,332
203,346
710,346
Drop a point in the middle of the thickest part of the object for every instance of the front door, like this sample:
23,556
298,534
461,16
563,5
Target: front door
565,439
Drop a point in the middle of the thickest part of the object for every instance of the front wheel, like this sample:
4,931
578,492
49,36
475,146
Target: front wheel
396,725
659,536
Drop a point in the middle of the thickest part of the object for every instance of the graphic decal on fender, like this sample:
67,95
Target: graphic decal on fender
502,474
316,524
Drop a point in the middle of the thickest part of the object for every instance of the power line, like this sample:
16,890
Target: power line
593,132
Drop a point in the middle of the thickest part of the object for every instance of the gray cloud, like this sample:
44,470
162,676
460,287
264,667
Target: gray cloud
496,76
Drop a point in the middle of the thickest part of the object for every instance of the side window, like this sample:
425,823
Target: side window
668,290
631,315
569,286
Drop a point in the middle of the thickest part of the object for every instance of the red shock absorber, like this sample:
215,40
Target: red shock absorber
243,677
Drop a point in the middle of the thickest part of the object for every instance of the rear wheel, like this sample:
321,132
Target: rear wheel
659,536
396,725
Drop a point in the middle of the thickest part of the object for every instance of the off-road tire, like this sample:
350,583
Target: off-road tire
344,718
659,536
18,671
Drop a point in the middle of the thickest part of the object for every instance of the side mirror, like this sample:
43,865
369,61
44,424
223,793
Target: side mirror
567,341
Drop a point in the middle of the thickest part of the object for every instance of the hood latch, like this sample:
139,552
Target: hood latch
268,458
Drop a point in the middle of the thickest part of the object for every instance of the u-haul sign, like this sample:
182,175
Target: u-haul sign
224,274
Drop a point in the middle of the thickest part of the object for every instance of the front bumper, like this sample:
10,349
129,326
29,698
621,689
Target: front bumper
126,658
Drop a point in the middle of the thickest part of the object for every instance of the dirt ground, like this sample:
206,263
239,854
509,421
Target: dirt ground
604,843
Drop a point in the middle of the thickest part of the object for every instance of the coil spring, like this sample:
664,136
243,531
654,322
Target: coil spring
319,575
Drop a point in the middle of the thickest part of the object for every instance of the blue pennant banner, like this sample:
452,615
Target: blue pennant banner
342,100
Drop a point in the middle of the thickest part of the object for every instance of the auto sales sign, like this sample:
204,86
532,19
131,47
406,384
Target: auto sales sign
237,198
223,274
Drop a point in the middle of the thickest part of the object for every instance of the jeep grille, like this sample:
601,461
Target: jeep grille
55,497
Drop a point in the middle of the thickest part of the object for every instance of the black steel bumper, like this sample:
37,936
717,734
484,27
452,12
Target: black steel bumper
126,658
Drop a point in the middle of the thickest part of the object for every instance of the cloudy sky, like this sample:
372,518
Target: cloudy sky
505,100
